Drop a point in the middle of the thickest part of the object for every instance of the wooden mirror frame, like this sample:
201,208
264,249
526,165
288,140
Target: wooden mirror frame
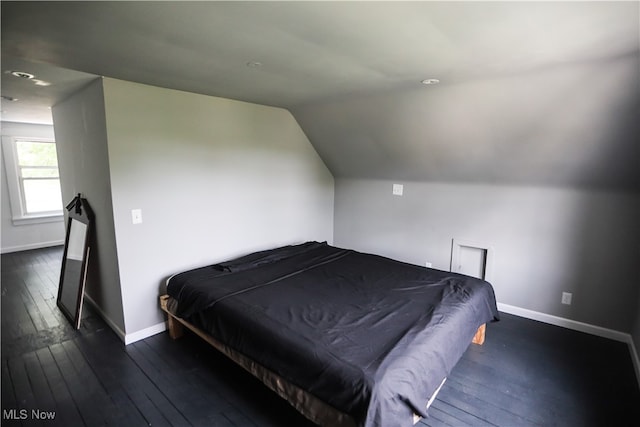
74,262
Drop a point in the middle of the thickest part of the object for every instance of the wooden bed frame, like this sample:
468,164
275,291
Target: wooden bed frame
308,405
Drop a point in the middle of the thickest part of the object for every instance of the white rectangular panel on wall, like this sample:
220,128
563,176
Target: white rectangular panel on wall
471,258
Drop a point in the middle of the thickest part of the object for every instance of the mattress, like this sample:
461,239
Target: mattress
367,335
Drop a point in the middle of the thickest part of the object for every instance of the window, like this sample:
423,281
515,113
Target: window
33,179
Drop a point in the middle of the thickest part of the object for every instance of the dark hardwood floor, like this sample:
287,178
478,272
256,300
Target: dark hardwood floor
527,373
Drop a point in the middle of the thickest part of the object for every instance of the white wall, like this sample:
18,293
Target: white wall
214,178
545,240
26,236
84,168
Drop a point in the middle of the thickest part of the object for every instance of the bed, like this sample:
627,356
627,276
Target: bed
348,338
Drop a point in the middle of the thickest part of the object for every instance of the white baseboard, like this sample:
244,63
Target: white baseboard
119,332
577,326
145,333
124,337
30,246
565,323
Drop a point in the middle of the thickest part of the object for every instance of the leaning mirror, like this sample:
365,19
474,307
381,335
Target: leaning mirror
75,260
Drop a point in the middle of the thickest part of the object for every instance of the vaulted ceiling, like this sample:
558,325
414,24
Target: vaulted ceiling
535,93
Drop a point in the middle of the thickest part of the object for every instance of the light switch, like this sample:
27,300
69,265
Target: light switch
398,189
136,216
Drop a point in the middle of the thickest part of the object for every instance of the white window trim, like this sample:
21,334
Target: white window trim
19,216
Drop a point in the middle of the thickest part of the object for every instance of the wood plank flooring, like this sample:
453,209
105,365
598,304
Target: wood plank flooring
526,374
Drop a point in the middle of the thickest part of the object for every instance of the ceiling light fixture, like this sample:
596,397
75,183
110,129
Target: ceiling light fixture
254,64
430,81
9,98
29,76
22,74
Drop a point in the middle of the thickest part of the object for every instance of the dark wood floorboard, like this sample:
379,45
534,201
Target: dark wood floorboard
526,374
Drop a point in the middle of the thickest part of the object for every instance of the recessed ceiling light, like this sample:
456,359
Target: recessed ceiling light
254,64
29,76
22,74
430,81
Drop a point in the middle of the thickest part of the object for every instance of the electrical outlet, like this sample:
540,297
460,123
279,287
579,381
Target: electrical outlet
398,189
428,264
566,298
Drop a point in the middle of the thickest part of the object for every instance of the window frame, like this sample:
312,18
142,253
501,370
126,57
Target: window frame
16,195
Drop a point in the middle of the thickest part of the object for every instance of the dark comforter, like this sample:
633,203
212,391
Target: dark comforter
371,336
